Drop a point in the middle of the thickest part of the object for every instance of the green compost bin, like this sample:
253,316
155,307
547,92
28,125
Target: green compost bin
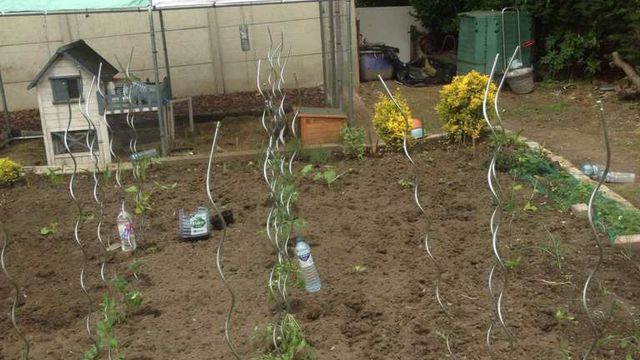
480,39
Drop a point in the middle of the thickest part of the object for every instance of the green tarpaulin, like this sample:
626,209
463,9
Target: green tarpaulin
53,6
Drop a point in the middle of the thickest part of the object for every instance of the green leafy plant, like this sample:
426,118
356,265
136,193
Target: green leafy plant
513,263
315,156
135,266
132,298
353,143
142,200
460,106
329,175
9,171
105,338
359,268
405,183
50,229
390,122
563,315
564,350
55,176
571,53
293,344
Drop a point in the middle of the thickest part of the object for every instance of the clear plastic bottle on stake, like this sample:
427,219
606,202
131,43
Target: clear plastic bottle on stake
307,267
595,171
125,230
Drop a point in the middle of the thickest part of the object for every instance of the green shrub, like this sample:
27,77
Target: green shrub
352,141
9,171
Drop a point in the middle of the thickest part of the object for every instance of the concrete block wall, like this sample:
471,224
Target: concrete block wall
203,44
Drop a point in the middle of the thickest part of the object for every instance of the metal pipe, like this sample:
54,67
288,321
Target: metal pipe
5,108
352,119
156,71
167,66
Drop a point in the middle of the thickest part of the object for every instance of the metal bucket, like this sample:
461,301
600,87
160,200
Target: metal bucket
372,63
521,80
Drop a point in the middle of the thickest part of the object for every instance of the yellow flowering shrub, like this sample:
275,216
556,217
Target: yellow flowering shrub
389,122
9,171
460,106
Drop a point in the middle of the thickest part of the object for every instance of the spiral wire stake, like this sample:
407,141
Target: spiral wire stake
76,229
416,199
277,169
16,288
496,216
97,189
593,222
220,251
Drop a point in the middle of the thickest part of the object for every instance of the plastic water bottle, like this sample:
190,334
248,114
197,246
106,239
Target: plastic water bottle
147,154
307,268
595,171
125,230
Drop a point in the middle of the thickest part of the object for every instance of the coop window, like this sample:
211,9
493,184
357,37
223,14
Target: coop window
77,141
66,88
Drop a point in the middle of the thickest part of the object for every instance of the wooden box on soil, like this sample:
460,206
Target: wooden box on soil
320,125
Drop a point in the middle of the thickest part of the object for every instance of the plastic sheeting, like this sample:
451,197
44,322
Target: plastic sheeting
53,6
177,4
8,7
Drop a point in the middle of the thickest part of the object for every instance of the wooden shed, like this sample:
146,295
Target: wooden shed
62,86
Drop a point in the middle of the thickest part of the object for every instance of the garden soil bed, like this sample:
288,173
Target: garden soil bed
387,311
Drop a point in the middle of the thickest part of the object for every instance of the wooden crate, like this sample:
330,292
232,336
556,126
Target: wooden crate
320,125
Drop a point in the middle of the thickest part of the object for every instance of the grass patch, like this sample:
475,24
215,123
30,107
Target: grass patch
534,167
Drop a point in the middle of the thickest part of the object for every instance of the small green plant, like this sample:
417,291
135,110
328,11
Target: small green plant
135,267
630,344
513,263
359,268
132,298
315,156
292,343
55,176
9,171
50,229
105,338
326,174
353,144
554,248
563,315
142,200
528,206
290,269
405,183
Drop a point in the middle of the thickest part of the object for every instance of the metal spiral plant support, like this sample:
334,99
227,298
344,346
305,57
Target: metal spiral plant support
97,189
278,174
416,199
593,222
496,216
16,288
220,251
79,216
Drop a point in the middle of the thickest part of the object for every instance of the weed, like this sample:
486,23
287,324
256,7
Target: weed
359,268
327,174
50,229
352,141
405,183
55,176
554,248
513,263
563,315
315,156
135,267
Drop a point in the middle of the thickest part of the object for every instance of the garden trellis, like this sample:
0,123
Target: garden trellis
335,18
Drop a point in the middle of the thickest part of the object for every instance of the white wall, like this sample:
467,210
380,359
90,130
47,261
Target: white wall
204,46
389,25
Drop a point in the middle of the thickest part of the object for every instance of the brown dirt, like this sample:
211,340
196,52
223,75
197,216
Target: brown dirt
366,218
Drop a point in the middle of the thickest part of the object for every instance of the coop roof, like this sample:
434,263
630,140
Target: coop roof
83,55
